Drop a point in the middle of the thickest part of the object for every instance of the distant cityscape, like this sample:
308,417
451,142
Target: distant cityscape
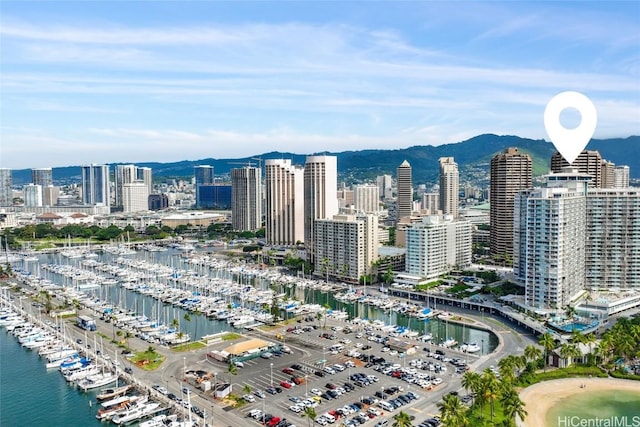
569,238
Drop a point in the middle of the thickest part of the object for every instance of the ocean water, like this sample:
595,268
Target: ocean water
621,408
31,395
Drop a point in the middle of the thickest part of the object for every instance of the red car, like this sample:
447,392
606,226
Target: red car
288,371
285,384
297,380
273,421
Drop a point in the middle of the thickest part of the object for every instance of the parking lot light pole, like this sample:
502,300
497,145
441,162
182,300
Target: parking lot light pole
482,347
306,386
271,366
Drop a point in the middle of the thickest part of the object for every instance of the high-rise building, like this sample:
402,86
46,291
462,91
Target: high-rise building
123,174
284,213
588,162
436,245
50,195
158,202
246,198
6,195
203,176
345,197
214,196
320,200
430,203
32,195
608,174
135,197
366,198
550,226
42,177
346,246
145,175
95,185
385,185
621,177
405,191
511,172
449,186
613,239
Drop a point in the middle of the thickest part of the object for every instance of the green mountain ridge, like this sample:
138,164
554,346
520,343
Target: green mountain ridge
364,165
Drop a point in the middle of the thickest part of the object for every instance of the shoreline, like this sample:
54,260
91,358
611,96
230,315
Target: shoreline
541,397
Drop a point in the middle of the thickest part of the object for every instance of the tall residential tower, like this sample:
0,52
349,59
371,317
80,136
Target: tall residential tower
320,195
449,186
284,200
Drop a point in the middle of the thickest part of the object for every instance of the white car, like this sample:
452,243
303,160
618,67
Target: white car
385,349
315,391
338,367
349,364
393,353
329,370
436,381
346,341
248,398
295,408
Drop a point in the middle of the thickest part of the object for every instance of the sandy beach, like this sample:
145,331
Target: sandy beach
539,398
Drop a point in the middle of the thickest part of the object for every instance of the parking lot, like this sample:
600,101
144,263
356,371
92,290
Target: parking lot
344,374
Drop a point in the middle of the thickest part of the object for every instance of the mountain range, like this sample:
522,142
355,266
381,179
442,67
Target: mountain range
471,155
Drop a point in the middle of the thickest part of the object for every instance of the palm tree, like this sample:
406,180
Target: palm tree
569,352
512,406
326,307
470,381
452,412
532,353
233,369
246,389
570,312
187,317
506,367
547,341
196,313
401,419
311,414
490,389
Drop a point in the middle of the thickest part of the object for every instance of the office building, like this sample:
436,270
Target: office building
613,239
284,213
436,245
385,185
404,201
214,196
32,195
203,176
346,246
550,226
430,203
449,186
95,185
50,195
158,202
42,177
511,172
588,162
246,198
6,194
320,201
366,198
145,175
135,197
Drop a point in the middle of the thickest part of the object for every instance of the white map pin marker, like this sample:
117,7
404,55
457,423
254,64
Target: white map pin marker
570,142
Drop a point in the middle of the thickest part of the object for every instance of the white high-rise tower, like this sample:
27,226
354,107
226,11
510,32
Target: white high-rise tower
284,202
320,195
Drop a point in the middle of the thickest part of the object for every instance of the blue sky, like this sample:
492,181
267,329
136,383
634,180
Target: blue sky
102,82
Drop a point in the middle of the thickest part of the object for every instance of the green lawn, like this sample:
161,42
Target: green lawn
188,346
148,360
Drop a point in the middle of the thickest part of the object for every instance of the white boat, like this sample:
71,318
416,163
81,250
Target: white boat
110,393
136,413
157,421
120,405
470,348
243,320
96,381
449,342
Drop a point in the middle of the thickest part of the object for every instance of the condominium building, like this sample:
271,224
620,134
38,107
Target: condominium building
42,177
385,185
320,201
366,198
437,244
550,226
50,195
284,211
246,198
449,186
135,197
95,185
6,195
511,172
405,191
588,162
203,176
346,246
621,177
145,175
613,239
